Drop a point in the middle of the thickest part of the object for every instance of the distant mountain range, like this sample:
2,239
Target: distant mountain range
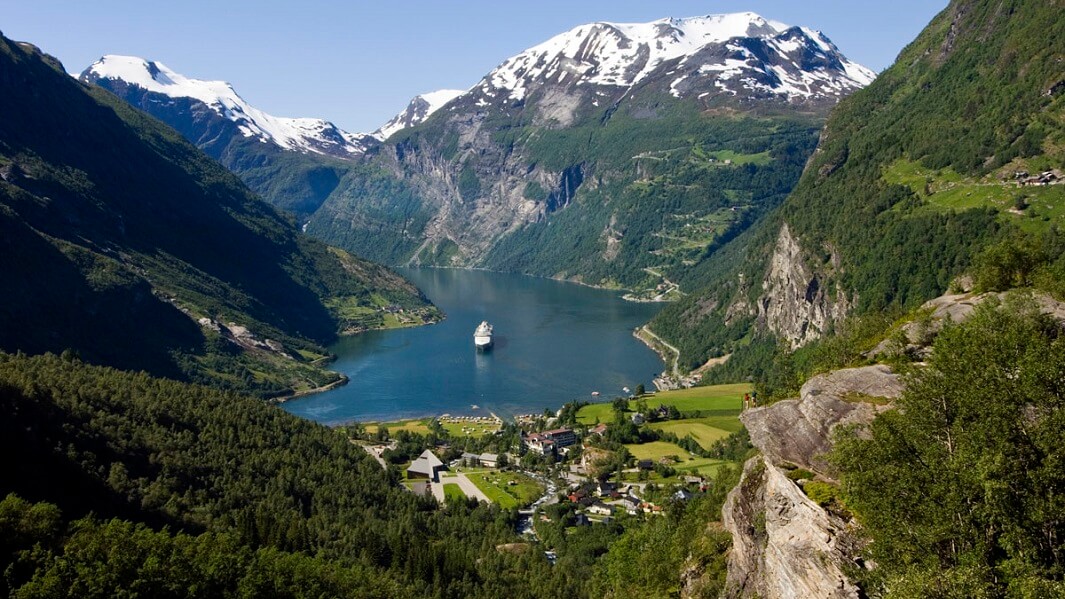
613,154
472,177
295,163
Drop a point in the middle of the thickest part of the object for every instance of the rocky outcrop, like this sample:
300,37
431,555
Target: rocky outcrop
795,303
799,431
784,544
915,338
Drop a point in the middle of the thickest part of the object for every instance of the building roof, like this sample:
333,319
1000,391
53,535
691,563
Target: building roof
558,431
489,457
426,463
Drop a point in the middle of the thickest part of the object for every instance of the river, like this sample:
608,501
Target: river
554,342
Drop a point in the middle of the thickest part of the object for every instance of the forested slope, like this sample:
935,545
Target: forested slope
914,177
127,244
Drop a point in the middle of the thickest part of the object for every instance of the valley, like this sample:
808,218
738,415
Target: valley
765,323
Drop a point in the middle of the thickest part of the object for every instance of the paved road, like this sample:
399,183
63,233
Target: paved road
676,352
375,451
463,482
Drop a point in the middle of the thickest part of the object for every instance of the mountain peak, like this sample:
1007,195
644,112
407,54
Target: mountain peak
417,111
306,135
795,63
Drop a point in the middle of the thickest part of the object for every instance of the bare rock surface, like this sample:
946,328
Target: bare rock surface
795,303
784,544
799,431
936,313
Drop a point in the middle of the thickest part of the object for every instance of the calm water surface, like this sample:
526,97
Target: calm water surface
554,342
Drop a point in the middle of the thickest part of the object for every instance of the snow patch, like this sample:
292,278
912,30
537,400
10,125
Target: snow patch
298,134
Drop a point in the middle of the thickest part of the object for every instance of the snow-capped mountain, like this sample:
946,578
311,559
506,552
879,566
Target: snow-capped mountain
417,111
539,167
308,135
740,54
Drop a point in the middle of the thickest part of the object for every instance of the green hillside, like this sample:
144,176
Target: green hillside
125,243
914,177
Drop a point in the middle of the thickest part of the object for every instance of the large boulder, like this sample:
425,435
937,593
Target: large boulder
799,431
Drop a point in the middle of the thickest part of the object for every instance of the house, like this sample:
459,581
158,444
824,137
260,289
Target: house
692,480
426,466
420,489
563,437
470,459
489,460
645,465
599,429
682,495
582,520
637,419
630,503
662,412
538,443
607,489
600,509
548,442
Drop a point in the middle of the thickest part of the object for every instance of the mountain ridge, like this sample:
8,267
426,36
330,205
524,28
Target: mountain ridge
524,172
111,220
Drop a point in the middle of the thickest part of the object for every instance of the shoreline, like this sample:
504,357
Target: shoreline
343,380
627,292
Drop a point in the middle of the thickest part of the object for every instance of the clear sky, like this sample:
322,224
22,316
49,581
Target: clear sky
358,62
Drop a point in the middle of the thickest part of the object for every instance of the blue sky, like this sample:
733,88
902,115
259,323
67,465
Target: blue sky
358,62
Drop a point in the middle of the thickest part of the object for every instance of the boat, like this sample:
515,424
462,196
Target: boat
482,337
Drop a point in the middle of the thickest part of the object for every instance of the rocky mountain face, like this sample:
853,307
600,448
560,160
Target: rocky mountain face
786,544
571,158
294,163
416,113
794,304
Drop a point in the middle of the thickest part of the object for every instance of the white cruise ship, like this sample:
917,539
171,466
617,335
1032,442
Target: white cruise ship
482,337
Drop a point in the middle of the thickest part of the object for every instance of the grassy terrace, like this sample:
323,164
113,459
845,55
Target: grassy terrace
496,485
413,426
421,426
719,400
947,190
704,430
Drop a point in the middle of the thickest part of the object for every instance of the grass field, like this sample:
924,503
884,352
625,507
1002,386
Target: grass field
453,492
704,430
469,429
413,426
723,400
702,466
656,450
947,190
496,486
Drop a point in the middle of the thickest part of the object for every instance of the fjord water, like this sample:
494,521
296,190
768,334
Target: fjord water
554,342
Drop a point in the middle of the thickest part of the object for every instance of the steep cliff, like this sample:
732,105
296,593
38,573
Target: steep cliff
796,304
786,544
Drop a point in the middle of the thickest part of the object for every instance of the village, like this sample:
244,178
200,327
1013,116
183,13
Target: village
586,464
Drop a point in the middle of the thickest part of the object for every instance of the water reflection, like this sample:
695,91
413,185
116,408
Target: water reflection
556,342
